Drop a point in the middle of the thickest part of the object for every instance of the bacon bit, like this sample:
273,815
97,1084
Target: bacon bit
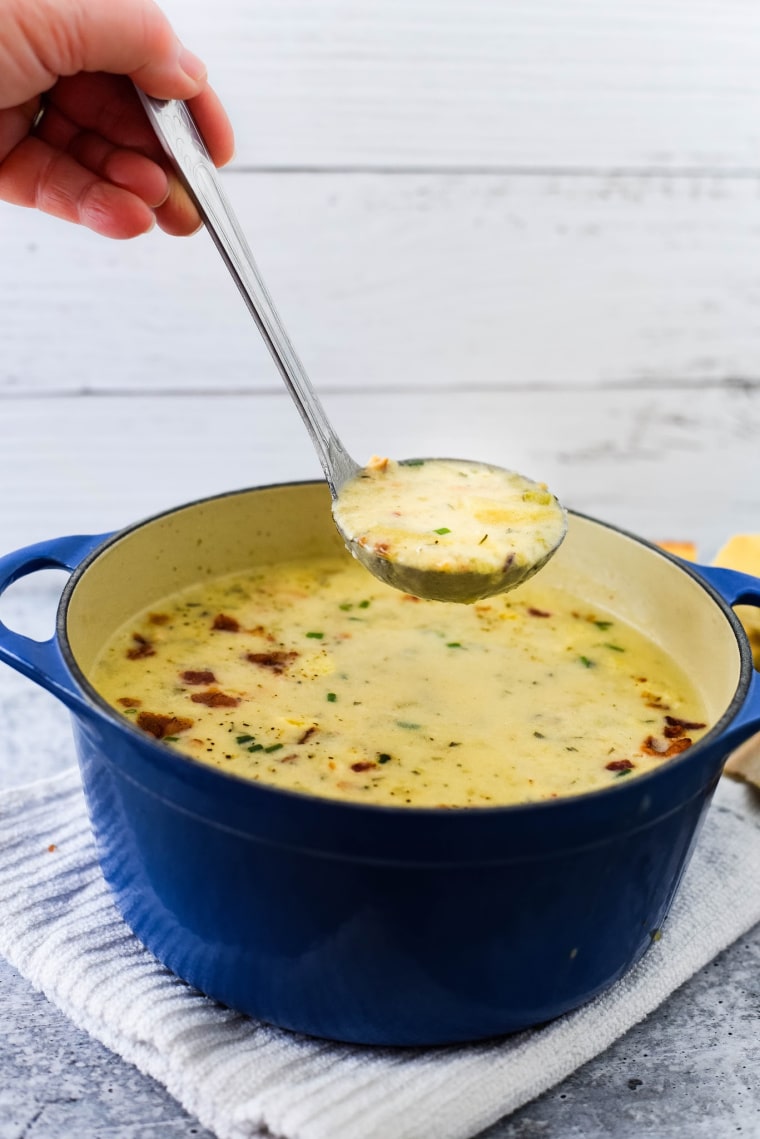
215,699
676,728
129,702
409,597
289,758
158,618
538,612
225,623
620,765
260,631
652,700
663,750
52,847
363,765
677,746
278,660
307,734
508,561
159,725
141,648
377,463
381,549
198,676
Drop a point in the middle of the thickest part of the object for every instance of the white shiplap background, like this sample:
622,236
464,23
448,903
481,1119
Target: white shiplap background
523,232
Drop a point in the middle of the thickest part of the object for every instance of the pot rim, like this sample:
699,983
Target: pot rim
163,756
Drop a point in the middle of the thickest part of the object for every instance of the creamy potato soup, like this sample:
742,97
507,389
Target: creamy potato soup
316,677
451,516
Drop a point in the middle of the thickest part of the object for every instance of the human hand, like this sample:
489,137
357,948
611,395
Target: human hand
93,158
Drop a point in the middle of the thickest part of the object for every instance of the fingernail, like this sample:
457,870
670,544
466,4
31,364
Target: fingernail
192,66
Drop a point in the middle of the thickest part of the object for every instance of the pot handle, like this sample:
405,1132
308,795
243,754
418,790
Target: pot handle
738,589
42,661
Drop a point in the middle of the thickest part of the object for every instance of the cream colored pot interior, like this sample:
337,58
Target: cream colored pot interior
227,534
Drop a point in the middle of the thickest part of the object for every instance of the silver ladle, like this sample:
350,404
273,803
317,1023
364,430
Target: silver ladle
180,138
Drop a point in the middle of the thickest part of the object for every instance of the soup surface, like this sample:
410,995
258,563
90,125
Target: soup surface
316,677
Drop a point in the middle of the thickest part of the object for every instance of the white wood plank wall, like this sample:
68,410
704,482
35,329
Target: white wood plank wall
546,214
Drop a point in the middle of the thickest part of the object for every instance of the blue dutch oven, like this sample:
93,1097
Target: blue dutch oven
383,925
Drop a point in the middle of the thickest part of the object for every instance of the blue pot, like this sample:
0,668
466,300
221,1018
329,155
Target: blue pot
383,925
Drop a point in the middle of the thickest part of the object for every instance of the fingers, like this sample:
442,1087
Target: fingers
128,203
97,160
107,105
36,174
177,216
103,129
215,128
129,169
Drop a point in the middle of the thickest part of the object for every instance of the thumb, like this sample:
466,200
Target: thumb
42,40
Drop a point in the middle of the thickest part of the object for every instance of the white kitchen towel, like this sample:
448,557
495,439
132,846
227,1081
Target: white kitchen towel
243,1079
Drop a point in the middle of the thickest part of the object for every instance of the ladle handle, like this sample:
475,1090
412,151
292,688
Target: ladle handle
180,138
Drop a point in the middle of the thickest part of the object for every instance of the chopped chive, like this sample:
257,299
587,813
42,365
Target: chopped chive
332,697
623,771
315,636
383,757
586,662
170,739
130,711
346,606
364,604
453,645
256,747
539,735
414,462
603,625
410,726
615,648
273,747
567,748
244,739
482,540
442,530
